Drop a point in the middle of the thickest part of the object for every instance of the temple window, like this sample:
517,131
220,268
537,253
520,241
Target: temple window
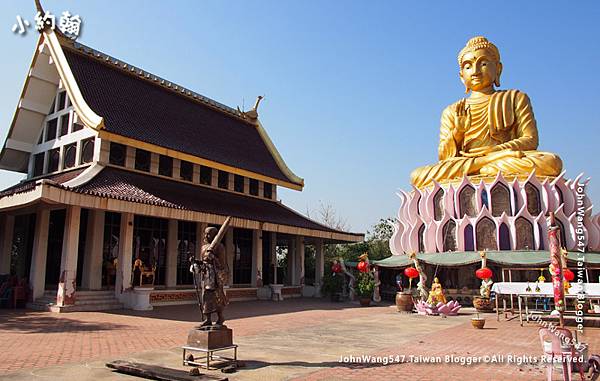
421,238
560,195
142,160
53,159
51,129
486,235
38,164
77,127
500,200
524,230
468,236
150,236
186,170
87,150
449,232
253,187
69,156
503,237
563,233
165,165
62,101
438,205
238,183
117,154
205,175
242,260
110,247
466,201
484,199
533,199
64,125
268,190
186,236
223,180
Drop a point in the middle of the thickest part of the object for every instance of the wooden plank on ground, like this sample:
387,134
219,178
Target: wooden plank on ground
158,372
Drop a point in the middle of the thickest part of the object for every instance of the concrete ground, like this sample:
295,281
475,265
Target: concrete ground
299,339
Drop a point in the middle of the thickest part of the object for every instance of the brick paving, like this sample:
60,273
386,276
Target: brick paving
299,339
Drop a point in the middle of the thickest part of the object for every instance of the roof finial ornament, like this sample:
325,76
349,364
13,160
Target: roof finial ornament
252,114
38,6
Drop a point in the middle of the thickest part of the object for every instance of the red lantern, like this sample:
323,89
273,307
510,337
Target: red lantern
568,274
484,273
336,268
411,272
363,267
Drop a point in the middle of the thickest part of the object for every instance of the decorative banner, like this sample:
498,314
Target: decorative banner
556,269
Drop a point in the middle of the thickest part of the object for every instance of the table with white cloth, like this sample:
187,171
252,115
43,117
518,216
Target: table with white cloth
525,290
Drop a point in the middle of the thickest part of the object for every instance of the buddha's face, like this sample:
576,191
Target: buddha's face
480,70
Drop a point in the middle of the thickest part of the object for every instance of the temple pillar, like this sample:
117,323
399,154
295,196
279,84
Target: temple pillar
300,260
291,262
92,262
172,243
230,251
123,279
273,254
319,266
257,258
37,272
6,240
68,260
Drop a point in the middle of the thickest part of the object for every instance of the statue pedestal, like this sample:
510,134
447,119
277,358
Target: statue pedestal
211,338
207,341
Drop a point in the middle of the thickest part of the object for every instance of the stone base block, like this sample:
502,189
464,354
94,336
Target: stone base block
211,338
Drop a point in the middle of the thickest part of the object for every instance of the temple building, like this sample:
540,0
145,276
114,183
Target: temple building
125,170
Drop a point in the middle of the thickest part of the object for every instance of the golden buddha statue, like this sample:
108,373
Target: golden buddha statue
491,131
437,293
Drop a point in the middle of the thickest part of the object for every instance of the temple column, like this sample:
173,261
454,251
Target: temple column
171,276
230,251
92,262
6,240
291,262
273,254
300,260
68,260
37,272
319,266
123,279
257,258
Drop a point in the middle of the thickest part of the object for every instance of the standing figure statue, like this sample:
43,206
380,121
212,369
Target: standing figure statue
213,273
422,285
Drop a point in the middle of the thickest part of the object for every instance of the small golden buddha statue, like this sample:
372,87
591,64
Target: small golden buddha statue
491,131
437,293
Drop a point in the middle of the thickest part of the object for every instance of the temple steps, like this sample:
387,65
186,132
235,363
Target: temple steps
85,301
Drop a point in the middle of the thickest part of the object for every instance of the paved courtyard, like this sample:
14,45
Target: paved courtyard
301,339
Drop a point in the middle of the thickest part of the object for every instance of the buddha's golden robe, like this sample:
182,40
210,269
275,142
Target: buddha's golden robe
503,119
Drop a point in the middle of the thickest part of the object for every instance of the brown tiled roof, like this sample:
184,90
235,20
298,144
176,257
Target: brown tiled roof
135,187
29,185
143,110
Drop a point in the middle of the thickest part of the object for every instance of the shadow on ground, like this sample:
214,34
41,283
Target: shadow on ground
31,322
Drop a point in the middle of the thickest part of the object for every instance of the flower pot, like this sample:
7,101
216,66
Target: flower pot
365,302
478,322
404,302
482,304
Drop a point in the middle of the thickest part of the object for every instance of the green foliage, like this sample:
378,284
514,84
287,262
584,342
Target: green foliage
332,283
365,285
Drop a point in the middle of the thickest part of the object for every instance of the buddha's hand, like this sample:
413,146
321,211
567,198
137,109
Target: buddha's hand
479,151
462,119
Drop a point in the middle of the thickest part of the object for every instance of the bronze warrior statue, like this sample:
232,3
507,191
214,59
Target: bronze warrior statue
212,273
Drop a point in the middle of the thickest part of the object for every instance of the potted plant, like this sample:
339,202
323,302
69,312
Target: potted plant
478,322
333,284
364,288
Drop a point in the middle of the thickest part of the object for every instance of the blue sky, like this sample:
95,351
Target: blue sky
354,89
